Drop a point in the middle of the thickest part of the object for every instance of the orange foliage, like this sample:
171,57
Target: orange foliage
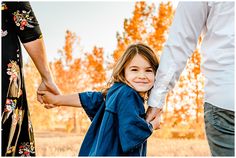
146,26
41,117
183,109
184,103
95,68
70,39
75,75
160,24
135,29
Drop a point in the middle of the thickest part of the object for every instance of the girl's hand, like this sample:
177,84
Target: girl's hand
49,99
153,116
47,86
156,123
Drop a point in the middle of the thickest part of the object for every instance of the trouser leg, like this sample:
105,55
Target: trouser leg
219,126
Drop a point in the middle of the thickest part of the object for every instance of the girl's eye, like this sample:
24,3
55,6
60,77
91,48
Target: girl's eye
149,70
134,69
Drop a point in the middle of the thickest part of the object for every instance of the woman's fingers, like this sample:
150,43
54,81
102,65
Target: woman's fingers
49,106
44,95
41,92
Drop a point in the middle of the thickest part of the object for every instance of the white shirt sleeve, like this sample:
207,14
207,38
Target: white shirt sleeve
188,23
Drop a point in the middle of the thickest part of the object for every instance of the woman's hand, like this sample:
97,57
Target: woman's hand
47,86
49,99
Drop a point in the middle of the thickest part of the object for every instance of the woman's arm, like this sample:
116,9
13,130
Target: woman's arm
28,31
36,51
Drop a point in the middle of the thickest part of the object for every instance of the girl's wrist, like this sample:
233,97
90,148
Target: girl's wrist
57,100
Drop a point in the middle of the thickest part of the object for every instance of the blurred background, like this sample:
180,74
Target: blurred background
83,41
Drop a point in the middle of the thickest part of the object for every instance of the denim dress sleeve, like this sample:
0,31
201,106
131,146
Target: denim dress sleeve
91,102
25,24
133,128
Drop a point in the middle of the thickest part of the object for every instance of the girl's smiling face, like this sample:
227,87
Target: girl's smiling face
139,74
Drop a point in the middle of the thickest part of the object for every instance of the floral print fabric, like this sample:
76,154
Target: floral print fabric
18,22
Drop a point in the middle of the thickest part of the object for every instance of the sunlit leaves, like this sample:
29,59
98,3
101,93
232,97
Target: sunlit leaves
76,70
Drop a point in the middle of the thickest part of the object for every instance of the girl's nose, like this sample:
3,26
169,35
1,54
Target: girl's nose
141,75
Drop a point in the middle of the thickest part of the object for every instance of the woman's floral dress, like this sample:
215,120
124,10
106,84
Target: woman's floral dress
18,24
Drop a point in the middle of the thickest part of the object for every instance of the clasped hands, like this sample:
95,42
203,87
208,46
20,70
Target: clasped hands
44,87
50,89
153,115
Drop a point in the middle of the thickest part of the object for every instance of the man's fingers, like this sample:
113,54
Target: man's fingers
156,123
152,113
150,116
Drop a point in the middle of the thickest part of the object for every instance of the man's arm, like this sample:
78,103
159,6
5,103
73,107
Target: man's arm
188,23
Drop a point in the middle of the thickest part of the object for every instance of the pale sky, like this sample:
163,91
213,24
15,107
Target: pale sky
96,23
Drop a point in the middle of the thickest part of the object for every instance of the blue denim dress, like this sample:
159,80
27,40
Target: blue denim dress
118,123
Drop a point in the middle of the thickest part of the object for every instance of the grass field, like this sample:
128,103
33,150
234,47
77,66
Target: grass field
67,144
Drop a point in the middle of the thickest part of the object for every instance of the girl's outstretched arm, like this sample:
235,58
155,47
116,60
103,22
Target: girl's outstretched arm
72,100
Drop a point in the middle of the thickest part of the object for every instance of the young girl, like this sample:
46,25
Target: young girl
118,116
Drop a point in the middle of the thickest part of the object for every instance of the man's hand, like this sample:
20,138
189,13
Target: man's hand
153,116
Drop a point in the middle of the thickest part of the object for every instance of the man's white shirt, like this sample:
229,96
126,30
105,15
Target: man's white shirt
215,21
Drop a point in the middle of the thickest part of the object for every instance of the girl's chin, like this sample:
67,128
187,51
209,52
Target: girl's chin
142,90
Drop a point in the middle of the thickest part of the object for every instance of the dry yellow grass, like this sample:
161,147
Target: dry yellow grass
67,144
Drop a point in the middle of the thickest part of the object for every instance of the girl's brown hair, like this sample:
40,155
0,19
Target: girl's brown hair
118,74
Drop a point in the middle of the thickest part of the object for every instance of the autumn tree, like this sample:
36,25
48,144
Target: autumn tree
75,74
134,28
150,26
76,70
41,117
94,69
147,25
160,25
